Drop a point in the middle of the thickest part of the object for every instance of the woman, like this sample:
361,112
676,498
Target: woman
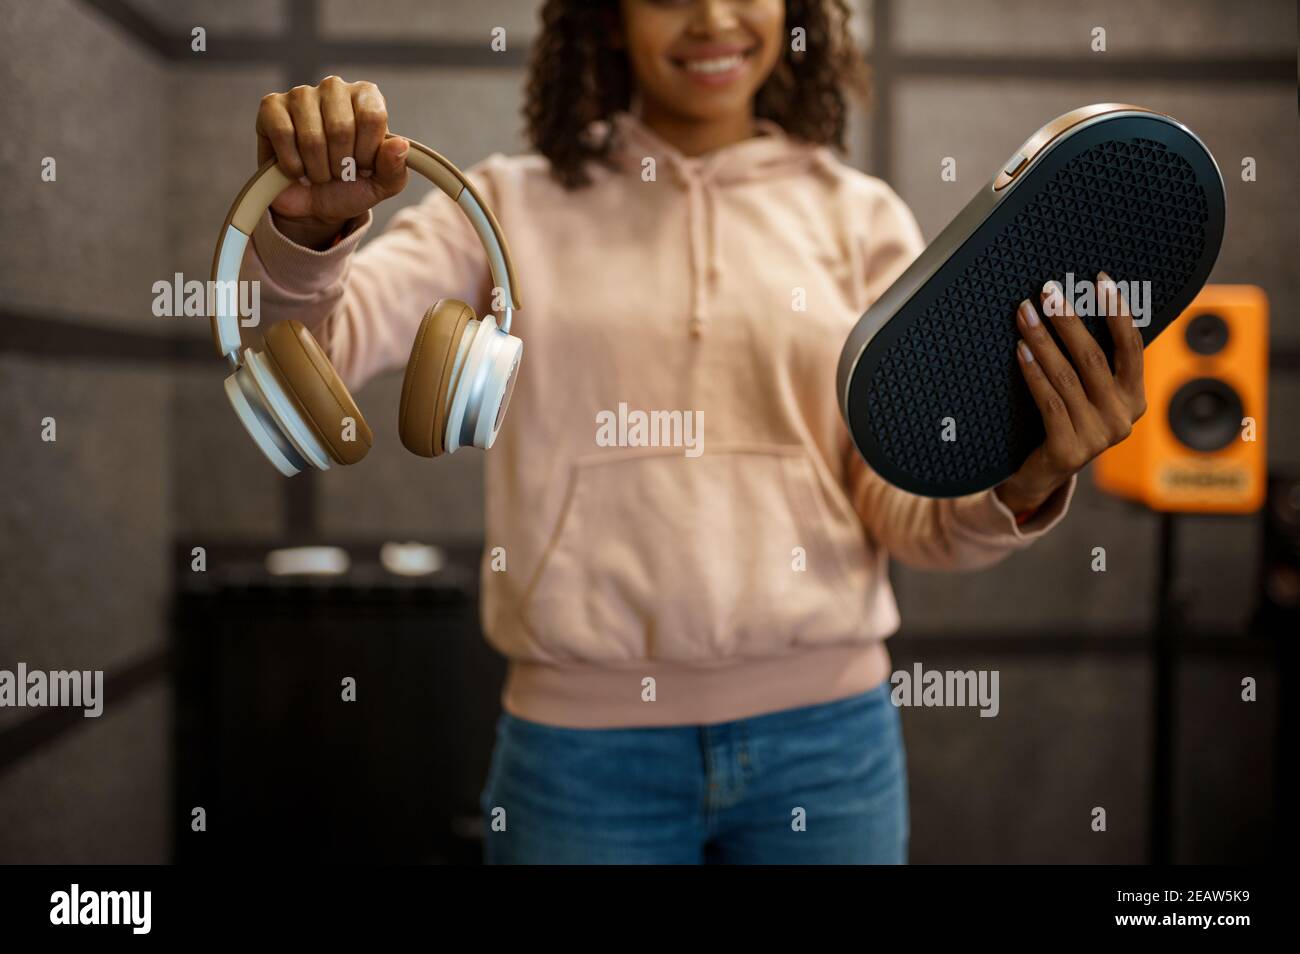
695,632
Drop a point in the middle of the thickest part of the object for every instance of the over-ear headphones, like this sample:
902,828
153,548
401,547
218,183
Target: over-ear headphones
292,402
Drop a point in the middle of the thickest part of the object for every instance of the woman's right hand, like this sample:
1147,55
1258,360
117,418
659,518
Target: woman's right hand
311,131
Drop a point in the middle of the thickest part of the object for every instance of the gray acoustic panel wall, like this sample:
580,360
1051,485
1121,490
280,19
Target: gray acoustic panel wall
89,511
99,795
1283,422
1217,572
1051,587
419,19
1132,28
85,251
1075,734
84,519
859,138
222,487
1072,735
227,17
860,21
1225,762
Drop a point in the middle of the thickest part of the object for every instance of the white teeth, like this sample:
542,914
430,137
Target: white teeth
720,65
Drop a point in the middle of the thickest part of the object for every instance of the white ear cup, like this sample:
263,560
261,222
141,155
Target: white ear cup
504,355
490,359
262,429
269,415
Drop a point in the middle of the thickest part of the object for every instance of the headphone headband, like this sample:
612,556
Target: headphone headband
268,182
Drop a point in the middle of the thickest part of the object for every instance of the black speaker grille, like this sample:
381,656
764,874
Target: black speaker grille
1133,208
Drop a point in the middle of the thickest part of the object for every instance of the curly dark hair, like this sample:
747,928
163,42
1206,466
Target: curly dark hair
576,76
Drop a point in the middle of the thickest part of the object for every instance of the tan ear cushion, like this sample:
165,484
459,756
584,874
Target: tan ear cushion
316,389
422,417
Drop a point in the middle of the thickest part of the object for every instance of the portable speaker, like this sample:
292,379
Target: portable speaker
1109,187
1200,447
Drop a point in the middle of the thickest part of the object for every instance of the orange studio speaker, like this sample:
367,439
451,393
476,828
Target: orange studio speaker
1200,447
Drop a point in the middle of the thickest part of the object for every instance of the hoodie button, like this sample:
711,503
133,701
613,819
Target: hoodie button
697,328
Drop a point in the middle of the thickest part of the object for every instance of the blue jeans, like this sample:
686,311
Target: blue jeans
822,784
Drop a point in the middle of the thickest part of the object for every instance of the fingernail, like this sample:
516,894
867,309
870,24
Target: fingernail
1026,355
1104,284
1027,314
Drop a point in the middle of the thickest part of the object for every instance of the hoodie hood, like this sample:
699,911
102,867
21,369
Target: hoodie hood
768,155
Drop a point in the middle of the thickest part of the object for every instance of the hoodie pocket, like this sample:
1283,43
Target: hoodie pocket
662,557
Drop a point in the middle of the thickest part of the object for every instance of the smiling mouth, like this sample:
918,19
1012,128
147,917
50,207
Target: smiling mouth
714,65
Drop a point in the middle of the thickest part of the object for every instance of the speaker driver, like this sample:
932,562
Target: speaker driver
1207,334
1205,414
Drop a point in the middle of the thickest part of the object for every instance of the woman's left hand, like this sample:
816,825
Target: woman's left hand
1084,411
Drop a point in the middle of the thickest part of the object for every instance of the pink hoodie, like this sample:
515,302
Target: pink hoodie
743,570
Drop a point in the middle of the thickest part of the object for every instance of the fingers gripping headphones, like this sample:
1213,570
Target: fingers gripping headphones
293,403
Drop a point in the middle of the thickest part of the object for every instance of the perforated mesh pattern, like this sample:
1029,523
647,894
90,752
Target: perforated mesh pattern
1131,208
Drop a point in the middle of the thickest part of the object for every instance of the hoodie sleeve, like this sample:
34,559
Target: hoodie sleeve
963,533
364,306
